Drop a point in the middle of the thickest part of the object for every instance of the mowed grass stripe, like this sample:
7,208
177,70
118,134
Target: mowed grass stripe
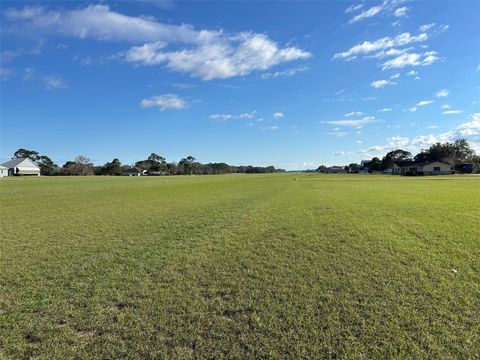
258,267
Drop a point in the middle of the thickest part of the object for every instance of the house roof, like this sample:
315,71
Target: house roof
405,163
135,170
15,162
3,167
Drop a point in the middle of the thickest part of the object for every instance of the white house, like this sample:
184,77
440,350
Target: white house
3,171
424,168
135,171
21,167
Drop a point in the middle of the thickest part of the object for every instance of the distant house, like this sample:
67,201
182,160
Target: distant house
135,171
21,167
364,166
335,170
3,171
413,168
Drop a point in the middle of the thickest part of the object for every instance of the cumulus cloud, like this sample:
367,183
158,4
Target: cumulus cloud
285,73
273,127
351,122
206,54
352,8
469,130
387,6
385,43
411,59
401,11
385,110
5,73
50,82
426,27
452,112
249,115
278,115
164,102
425,102
354,113
442,93
377,84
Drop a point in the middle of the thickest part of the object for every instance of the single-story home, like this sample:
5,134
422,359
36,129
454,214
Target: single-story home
421,168
3,171
364,166
135,171
21,167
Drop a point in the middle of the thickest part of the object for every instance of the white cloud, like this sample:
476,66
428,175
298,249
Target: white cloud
425,102
250,115
478,67
412,109
377,84
285,73
401,12
5,73
164,102
339,153
353,8
273,127
395,76
278,115
411,59
452,112
426,27
385,110
50,82
412,73
54,82
386,7
433,127
381,44
469,130
366,14
206,54
338,133
442,93
351,122
445,107
220,57
354,113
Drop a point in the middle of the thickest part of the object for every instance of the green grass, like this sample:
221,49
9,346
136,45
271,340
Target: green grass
267,266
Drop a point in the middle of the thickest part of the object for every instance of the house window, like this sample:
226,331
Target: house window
436,168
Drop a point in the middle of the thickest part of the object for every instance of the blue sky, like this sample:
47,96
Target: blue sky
293,84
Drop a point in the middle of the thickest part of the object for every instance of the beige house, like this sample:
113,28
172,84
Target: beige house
424,168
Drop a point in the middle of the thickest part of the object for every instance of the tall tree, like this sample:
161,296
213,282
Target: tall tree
26,154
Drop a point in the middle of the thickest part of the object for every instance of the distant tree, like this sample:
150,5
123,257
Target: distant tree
26,154
80,166
452,152
46,165
321,169
395,155
353,168
113,168
375,165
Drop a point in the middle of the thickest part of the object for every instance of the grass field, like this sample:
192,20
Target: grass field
240,266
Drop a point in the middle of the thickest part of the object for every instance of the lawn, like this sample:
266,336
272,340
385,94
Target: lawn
240,266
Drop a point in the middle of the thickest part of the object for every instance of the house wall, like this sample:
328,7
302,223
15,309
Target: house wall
3,172
27,170
444,169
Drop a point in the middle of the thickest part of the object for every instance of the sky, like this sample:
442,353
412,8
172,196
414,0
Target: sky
290,84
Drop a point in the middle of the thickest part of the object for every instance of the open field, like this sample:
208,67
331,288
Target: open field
240,266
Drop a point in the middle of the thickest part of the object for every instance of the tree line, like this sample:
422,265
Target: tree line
152,165
457,153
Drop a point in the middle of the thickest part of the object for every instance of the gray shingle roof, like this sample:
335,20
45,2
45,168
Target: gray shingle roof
15,162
